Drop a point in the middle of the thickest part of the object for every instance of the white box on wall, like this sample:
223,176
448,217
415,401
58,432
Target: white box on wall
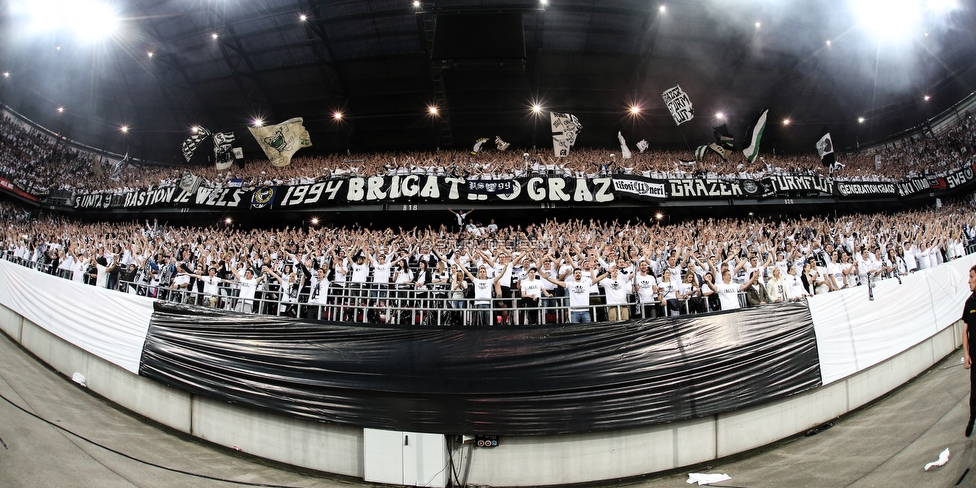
405,458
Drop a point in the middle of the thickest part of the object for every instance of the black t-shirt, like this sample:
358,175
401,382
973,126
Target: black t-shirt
969,316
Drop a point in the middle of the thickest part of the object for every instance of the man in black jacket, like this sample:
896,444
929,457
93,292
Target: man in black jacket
969,321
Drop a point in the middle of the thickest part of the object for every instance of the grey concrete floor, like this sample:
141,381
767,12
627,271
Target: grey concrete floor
884,445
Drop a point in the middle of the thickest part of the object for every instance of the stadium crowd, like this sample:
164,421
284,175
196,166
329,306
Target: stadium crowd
587,270
37,162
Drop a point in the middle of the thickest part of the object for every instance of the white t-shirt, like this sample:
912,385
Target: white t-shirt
579,293
616,289
645,287
531,288
728,295
482,291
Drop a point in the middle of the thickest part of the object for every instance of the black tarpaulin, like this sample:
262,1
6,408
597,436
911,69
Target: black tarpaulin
492,380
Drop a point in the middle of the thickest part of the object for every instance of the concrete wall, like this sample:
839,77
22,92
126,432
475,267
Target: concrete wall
517,461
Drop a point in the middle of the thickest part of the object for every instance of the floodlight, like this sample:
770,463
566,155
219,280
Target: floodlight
337,115
228,221
150,54
758,24
786,121
659,216
634,110
214,35
719,115
303,17
888,19
416,3
828,42
258,122
662,9
536,108
6,74
432,109
315,221
195,129
124,129
927,98
860,120
60,110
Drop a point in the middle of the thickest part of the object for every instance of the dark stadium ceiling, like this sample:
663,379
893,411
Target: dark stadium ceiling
381,63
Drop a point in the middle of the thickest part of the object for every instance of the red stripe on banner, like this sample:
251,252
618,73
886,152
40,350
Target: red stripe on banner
12,188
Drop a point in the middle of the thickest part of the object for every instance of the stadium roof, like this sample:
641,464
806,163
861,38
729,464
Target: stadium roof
221,64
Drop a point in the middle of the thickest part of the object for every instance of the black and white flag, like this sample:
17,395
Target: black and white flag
679,104
119,166
191,143
189,183
723,136
500,144
565,128
223,150
825,149
642,145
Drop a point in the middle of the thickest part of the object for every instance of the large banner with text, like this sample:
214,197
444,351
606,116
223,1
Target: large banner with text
446,189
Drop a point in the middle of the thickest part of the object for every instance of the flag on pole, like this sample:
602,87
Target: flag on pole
754,135
477,145
624,150
700,152
642,145
500,144
565,128
191,143
280,142
825,149
679,104
189,182
223,149
723,136
119,166
720,150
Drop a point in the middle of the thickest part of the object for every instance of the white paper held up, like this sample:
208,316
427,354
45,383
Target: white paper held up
943,458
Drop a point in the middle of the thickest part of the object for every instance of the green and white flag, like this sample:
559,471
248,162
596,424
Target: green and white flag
281,141
754,135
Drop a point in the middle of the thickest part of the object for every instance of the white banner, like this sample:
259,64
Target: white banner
107,323
678,104
639,188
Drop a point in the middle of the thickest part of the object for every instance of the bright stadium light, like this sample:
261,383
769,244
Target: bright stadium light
6,74
634,110
926,98
303,17
889,19
860,120
150,54
719,115
124,129
214,36
195,129
432,109
337,115
88,20
536,108
662,9
257,122
786,121
60,110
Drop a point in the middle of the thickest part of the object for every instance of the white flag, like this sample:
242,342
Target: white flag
281,141
679,104
478,144
642,145
624,150
500,144
565,128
